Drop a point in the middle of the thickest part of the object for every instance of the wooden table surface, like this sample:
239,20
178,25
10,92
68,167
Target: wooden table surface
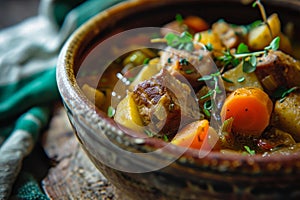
71,174
58,161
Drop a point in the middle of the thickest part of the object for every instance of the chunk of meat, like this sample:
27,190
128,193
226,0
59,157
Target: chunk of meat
165,103
227,34
188,66
284,69
287,115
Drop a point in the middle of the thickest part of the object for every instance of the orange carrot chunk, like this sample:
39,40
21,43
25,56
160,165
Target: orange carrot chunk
250,109
197,24
197,135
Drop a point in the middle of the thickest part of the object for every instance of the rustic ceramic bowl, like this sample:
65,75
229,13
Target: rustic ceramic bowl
215,176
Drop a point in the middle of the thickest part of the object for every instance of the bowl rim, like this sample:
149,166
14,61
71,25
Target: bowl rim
71,93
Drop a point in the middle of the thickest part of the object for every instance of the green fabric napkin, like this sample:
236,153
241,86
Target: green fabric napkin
28,55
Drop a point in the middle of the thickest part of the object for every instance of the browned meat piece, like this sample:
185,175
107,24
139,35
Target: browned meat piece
284,70
227,34
188,66
287,115
164,102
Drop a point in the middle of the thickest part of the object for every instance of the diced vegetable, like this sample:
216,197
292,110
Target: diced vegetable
250,109
136,58
260,36
94,95
127,114
285,44
210,38
146,72
197,135
287,115
239,79
226,33
196,23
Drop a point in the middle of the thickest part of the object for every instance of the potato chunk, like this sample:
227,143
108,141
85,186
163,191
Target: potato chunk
287,115
94,95
240,79
261,37
127,114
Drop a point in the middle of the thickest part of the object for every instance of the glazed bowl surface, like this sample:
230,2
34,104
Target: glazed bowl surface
164,174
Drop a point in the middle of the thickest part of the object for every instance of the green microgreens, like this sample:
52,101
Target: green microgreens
247,58
111,111
249,151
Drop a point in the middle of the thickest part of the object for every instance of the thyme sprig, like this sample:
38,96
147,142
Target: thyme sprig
246,57
213,79
184,41
263,15
249,151
282,92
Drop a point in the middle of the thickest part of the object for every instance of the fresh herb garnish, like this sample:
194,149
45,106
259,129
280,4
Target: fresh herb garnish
149,133
189,71
241,79
207,107
285,93
228,58
242,48
209,47
274,45
248,58
249,64
146,61
179,18
111,111
213,78
226,80
263,15
183,61
214,81
184,41
249,151
165,137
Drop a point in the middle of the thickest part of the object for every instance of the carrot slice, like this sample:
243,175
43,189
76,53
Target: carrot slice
197,135
250,109
197,24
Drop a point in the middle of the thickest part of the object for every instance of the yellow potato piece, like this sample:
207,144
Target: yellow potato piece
94,95
146,72
240,79
127,114
260,37
209,37
285,44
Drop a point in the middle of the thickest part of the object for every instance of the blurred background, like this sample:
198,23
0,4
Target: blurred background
14,11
